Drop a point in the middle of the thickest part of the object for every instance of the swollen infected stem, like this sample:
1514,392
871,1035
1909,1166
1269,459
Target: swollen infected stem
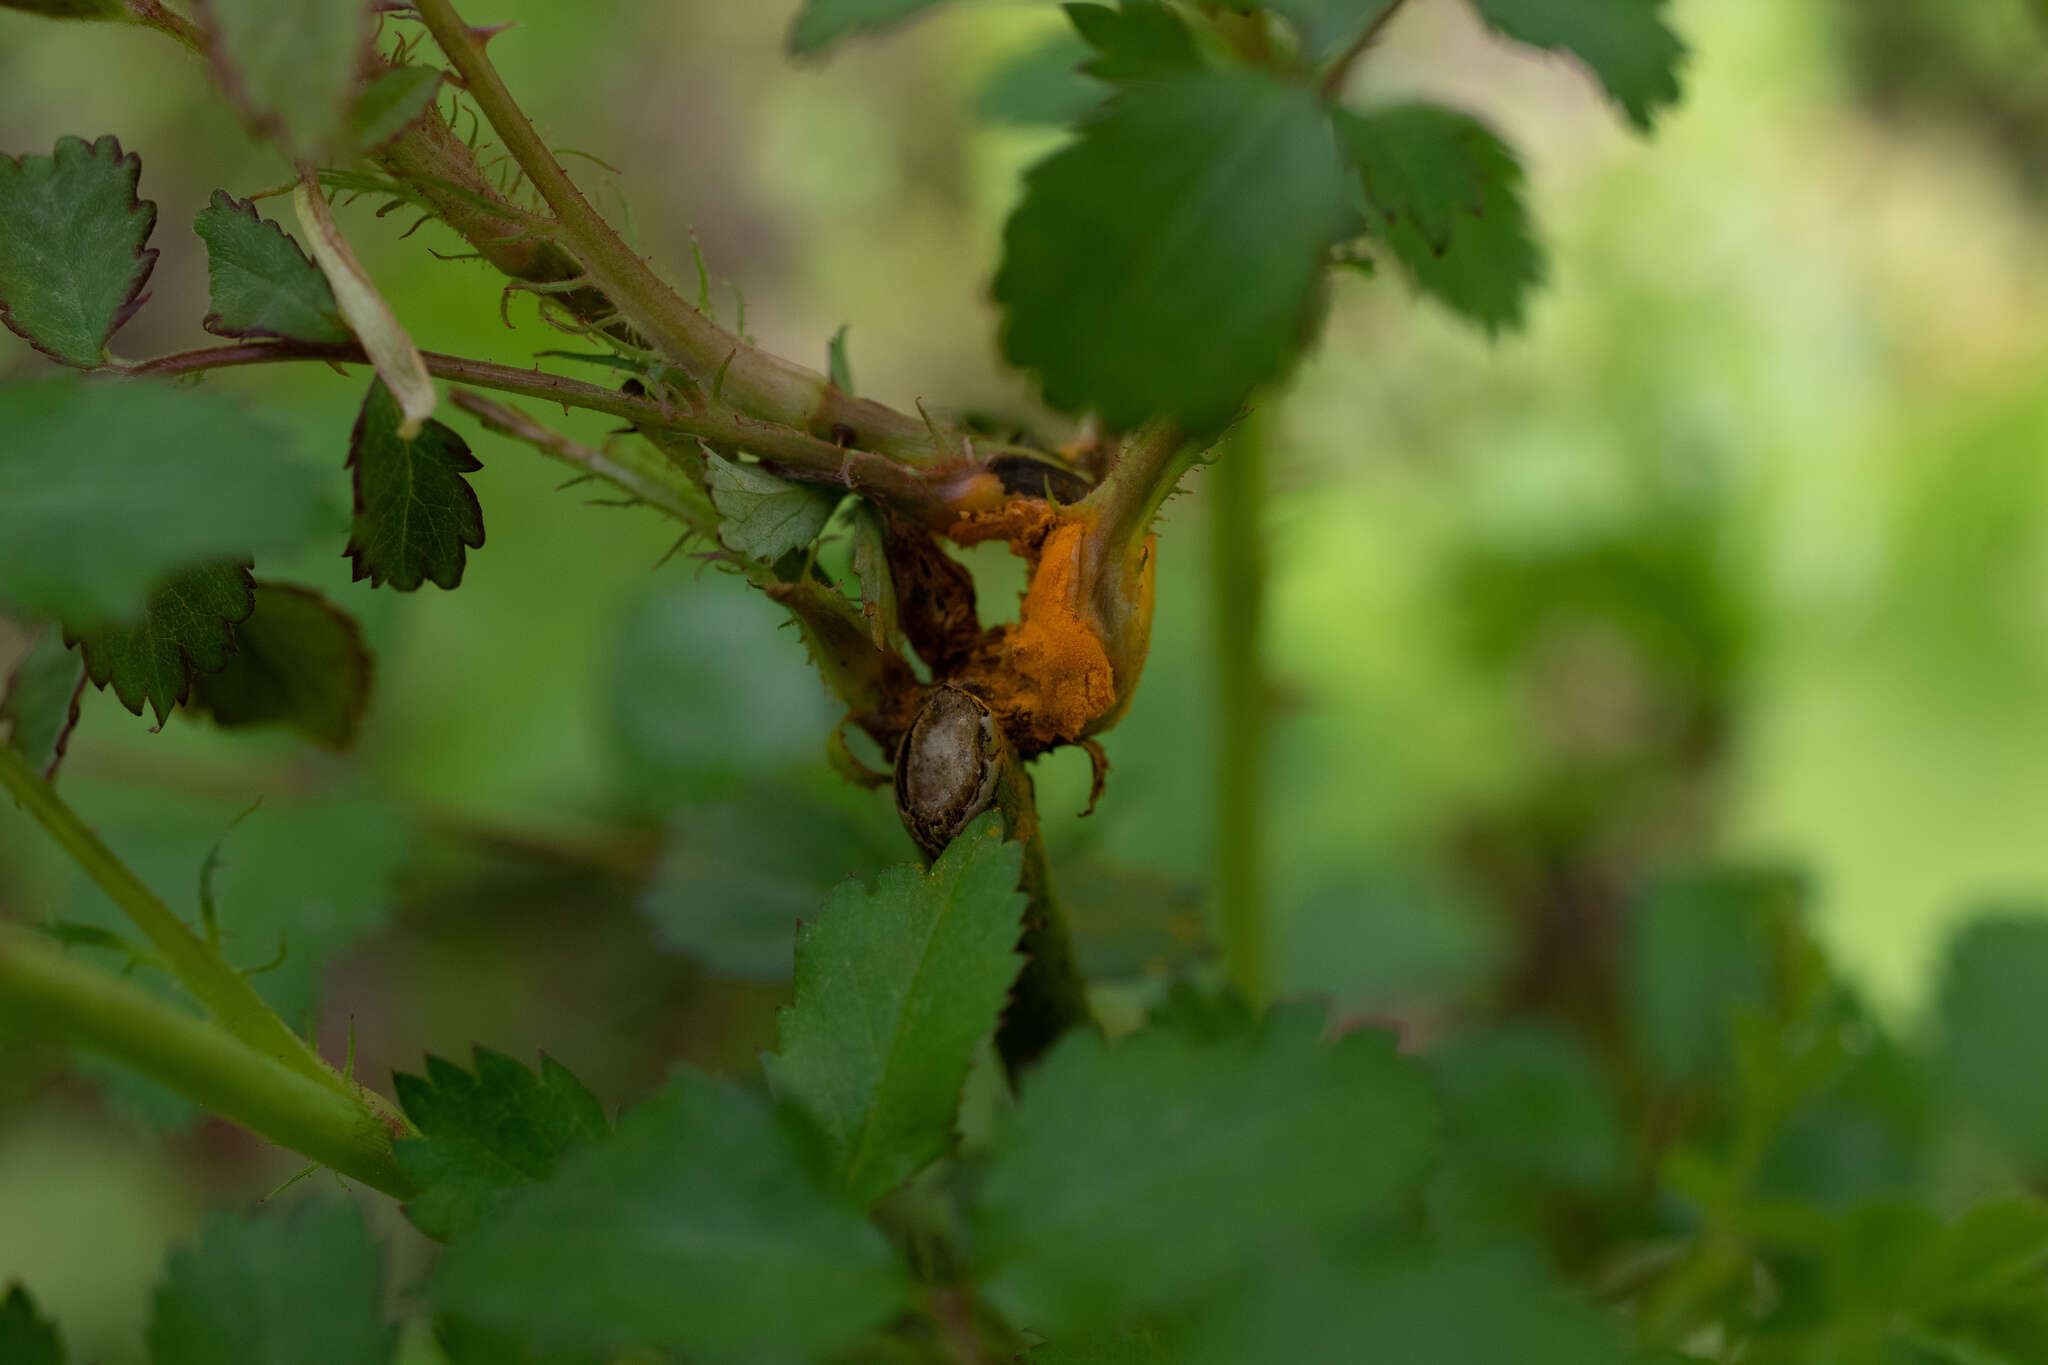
43,989
754,381
218,988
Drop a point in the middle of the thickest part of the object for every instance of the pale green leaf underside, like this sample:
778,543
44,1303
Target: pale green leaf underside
704,1225
765,517
109,489
289,64
1169,260
895,987
72,258
262,282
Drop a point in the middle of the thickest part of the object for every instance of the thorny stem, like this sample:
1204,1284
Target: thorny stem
220,989
754,381
660,490
151,14
933,497
44,988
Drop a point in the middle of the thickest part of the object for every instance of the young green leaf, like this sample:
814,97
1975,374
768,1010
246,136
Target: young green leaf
1170,259
299,661
1145,1173
106,490
388,105
187,629
837,366
486,1134
894,989
1992,1009
26,1337
73,254
40,706
1326,26
263,283
765,517
321,1286
707,1224
821,23
1445,195
290,66
1140,41
414,512
1625,43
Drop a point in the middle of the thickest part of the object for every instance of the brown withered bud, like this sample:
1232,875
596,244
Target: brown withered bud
949,767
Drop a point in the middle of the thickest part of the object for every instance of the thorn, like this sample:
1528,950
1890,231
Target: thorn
1098,759
483,33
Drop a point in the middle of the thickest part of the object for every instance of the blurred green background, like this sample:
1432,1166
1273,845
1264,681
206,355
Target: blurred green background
1739,553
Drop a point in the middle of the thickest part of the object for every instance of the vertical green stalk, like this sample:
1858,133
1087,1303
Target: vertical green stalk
1237,566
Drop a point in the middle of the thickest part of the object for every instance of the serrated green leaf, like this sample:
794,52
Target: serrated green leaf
1327,26
108,489
73,253
187,629
295,1287
486,1134
1143,1174
71,9
40,706
1043,85
820,23
1992,1009
414,512
263,284
1140,41
1625,43
707,1224
895,987
1144,1344
299,661
765,517
387,106
290,66
1527,1105
465,1343
1445,1310
1170,259
1445,195
26,1337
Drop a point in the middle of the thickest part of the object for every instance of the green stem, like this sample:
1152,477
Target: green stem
43,988
754,381
219,988
934,497
1051,995
1237,504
